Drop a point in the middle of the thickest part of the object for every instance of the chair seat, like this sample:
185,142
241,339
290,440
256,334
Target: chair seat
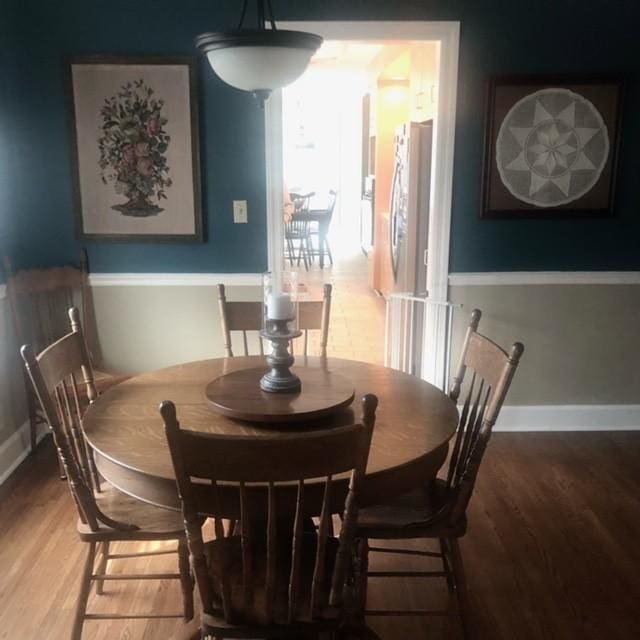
153,523
255,614
409,513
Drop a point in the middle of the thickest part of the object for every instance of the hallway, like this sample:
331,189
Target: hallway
356,329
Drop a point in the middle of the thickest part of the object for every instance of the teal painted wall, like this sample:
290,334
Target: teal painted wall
497,37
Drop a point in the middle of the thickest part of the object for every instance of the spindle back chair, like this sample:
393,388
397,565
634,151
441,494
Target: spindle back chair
39,300
275,578
298,229
492,370
313,315
439,509
54,374
320,228
301,200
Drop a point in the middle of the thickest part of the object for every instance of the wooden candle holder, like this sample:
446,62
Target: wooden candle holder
280,379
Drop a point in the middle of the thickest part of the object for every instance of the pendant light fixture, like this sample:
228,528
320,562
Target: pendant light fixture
261,59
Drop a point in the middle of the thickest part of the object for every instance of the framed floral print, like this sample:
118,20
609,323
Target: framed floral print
134,127
551,146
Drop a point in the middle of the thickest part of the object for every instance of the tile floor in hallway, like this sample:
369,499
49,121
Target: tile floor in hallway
356,329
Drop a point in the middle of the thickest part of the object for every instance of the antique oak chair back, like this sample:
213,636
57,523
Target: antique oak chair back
313,315
54,374
482,379
276,577
491,371
39,300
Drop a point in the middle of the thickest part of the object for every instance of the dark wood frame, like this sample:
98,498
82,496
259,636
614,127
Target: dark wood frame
190,63
536,82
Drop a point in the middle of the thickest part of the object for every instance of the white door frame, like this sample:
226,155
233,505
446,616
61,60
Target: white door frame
448,36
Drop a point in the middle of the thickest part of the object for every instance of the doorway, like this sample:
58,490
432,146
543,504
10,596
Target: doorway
323,117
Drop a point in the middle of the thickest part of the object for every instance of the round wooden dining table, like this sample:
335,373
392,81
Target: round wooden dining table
414,423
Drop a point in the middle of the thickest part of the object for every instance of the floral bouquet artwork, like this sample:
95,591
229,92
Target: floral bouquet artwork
135,140
133,148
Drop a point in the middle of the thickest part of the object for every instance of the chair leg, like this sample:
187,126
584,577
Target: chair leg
321,239
32,434
231,527
32,411
302,254
102,566
299,252
328,248
307,259
446,565
83,597
309,246
61,472
290,250
362,567
186,579
460,584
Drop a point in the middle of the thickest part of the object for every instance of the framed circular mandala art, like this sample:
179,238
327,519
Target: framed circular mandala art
550,146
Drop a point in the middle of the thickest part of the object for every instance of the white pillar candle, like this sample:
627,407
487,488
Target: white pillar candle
279,306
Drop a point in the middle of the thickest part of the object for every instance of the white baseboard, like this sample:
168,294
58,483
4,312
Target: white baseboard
16,448
579,417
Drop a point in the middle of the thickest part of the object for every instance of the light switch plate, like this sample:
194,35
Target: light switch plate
240,211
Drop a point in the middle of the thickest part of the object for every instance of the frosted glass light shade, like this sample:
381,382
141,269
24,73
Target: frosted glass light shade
258,60
259,68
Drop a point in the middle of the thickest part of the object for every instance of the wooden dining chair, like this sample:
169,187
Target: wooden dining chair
313,315
105,514
438,510
301,201
39,300
298,230
320,229
275,577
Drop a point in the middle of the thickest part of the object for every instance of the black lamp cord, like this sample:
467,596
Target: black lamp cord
262,15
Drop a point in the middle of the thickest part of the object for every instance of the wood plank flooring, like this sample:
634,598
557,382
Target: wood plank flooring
552,551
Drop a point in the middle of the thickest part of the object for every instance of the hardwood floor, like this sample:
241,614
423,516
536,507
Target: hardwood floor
552,551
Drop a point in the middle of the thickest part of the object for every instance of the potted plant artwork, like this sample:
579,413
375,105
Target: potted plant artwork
133,146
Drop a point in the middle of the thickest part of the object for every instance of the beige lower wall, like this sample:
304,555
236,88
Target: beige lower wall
13,412
141,328
582,341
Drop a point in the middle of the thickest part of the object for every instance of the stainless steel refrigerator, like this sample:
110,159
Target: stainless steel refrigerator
409,214
409,231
